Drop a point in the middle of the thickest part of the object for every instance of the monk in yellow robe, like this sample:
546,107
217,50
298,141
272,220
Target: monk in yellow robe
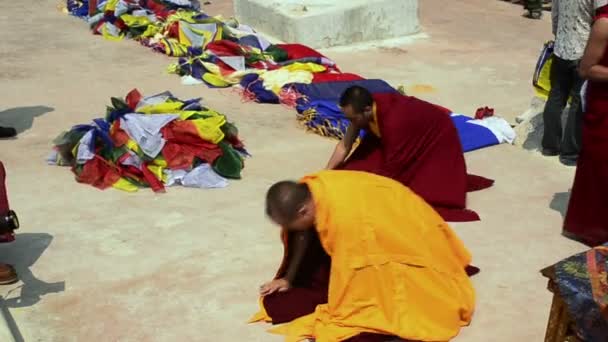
397,269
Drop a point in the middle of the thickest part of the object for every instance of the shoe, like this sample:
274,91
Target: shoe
7,132
568,161
535,15
8,275
548,152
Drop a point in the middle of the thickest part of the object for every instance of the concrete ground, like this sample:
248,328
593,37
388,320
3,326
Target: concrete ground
186,265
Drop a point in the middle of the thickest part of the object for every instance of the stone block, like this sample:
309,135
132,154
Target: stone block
326,23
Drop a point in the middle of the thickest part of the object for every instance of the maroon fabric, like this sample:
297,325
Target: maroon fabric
322,77
300,300
368,337
297,51
586,219
7,236
309,291
421,149
310,286
471,270
476,183
226,48
4,208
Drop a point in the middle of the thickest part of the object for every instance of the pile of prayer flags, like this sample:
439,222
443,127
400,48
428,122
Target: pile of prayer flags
154,142
224,53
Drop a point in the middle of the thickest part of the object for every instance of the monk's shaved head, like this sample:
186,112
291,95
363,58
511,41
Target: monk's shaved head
285,200
358,98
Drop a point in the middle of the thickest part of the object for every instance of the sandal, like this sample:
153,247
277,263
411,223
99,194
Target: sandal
8,275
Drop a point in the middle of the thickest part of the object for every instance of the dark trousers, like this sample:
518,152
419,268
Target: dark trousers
533,5
565,82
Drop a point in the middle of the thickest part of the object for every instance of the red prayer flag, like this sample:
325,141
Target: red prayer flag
133,98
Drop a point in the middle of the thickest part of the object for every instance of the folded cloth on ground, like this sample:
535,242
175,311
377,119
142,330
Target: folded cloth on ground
299,51
154,142
333,90
325,118
254,90
78,8
223,53
335,77
476,134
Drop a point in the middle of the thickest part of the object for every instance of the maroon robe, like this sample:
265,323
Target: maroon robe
419,147
587,219
4,207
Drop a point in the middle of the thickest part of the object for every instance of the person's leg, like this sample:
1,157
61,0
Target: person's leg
284,307
535,8
571,142
7,272
552,115
310,286
303,298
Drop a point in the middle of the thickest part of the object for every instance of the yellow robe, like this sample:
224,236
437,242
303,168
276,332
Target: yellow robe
397,267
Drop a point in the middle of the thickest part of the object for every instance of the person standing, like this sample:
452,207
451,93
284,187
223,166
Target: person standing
571,26
586,219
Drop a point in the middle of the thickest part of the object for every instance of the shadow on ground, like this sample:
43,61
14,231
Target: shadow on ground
535,136
559,203
535,127
22,118
23,254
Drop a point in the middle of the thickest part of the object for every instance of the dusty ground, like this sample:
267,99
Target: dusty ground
185,266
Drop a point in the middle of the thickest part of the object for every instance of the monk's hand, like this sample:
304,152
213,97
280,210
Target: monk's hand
277,285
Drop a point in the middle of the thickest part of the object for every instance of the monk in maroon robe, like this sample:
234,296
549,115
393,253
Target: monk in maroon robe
586,219
411,141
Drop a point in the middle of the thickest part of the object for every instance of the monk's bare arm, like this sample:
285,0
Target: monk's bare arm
301,241
590,67
343,148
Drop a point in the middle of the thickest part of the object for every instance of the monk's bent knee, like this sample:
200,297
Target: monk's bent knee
286,306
